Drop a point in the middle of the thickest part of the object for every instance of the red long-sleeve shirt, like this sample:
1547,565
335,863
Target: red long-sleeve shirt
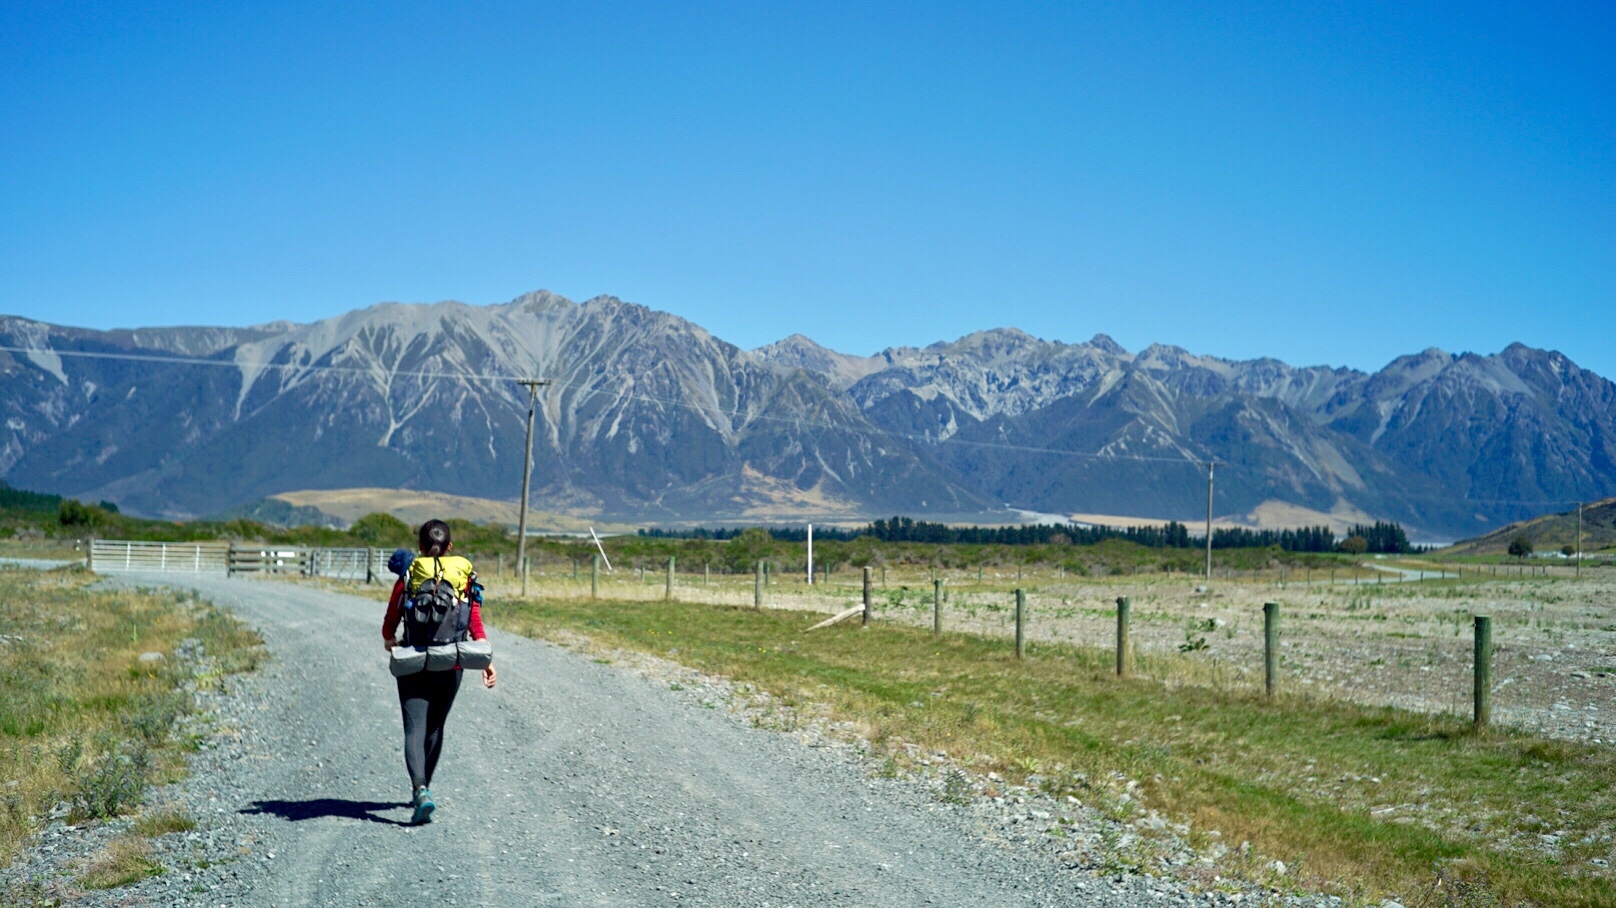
395,613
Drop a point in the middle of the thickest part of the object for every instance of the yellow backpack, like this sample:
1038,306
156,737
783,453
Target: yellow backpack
435,608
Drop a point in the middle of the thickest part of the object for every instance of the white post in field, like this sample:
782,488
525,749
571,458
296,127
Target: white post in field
810,554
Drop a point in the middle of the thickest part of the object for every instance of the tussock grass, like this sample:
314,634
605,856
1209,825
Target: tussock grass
163,822
1364,802
125,860
83,720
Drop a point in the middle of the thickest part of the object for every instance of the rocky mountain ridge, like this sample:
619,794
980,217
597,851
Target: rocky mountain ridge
649,417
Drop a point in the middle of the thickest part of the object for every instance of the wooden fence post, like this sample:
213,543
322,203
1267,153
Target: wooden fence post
757,586
937,608
1021,624
1270,629
594,576
865,618
1484,671
667,593
1124,643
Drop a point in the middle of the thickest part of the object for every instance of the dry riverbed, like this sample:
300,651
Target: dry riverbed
1407,644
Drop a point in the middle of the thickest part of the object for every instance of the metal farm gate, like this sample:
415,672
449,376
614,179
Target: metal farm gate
115,555
232,558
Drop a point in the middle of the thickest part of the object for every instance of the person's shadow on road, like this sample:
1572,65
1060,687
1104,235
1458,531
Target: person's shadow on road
315,808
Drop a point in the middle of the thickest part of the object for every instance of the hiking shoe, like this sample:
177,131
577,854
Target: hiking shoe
423,807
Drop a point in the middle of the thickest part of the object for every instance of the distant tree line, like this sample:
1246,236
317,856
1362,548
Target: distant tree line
69,511
1306,539
1381,537
37,502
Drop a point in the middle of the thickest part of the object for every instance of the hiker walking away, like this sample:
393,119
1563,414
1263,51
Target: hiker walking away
426,696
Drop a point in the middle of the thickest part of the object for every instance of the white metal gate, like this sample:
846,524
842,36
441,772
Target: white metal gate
112,555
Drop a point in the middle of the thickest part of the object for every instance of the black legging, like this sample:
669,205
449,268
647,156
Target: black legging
426,698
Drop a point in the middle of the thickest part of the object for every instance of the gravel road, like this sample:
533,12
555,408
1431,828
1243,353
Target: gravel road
571,783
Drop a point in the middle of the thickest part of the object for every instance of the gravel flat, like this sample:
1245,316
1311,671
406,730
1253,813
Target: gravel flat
571,783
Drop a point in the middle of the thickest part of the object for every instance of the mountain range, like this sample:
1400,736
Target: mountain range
650,418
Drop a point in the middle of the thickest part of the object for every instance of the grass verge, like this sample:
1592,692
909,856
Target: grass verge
1362,802
84,720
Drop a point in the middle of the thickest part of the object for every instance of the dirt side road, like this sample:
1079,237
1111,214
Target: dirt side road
572,783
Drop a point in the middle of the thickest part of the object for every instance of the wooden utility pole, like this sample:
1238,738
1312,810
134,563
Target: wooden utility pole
1578,553
1209,465
533,385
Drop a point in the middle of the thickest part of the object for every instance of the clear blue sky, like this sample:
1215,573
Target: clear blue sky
1331,183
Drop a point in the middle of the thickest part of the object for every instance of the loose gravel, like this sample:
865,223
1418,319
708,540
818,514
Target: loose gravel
586,779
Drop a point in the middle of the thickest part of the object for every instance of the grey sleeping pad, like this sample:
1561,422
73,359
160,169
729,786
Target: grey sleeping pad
468,654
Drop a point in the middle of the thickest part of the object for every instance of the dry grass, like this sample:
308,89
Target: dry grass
83,719
164,821
125,860
414,506
48,548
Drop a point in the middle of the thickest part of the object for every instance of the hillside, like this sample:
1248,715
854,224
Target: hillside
1550,532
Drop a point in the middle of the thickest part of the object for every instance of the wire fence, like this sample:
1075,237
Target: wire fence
1398,635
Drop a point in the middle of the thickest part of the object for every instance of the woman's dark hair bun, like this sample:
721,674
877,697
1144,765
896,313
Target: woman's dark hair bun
434,538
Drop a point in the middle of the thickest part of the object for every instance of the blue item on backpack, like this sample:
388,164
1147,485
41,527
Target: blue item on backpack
399,562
